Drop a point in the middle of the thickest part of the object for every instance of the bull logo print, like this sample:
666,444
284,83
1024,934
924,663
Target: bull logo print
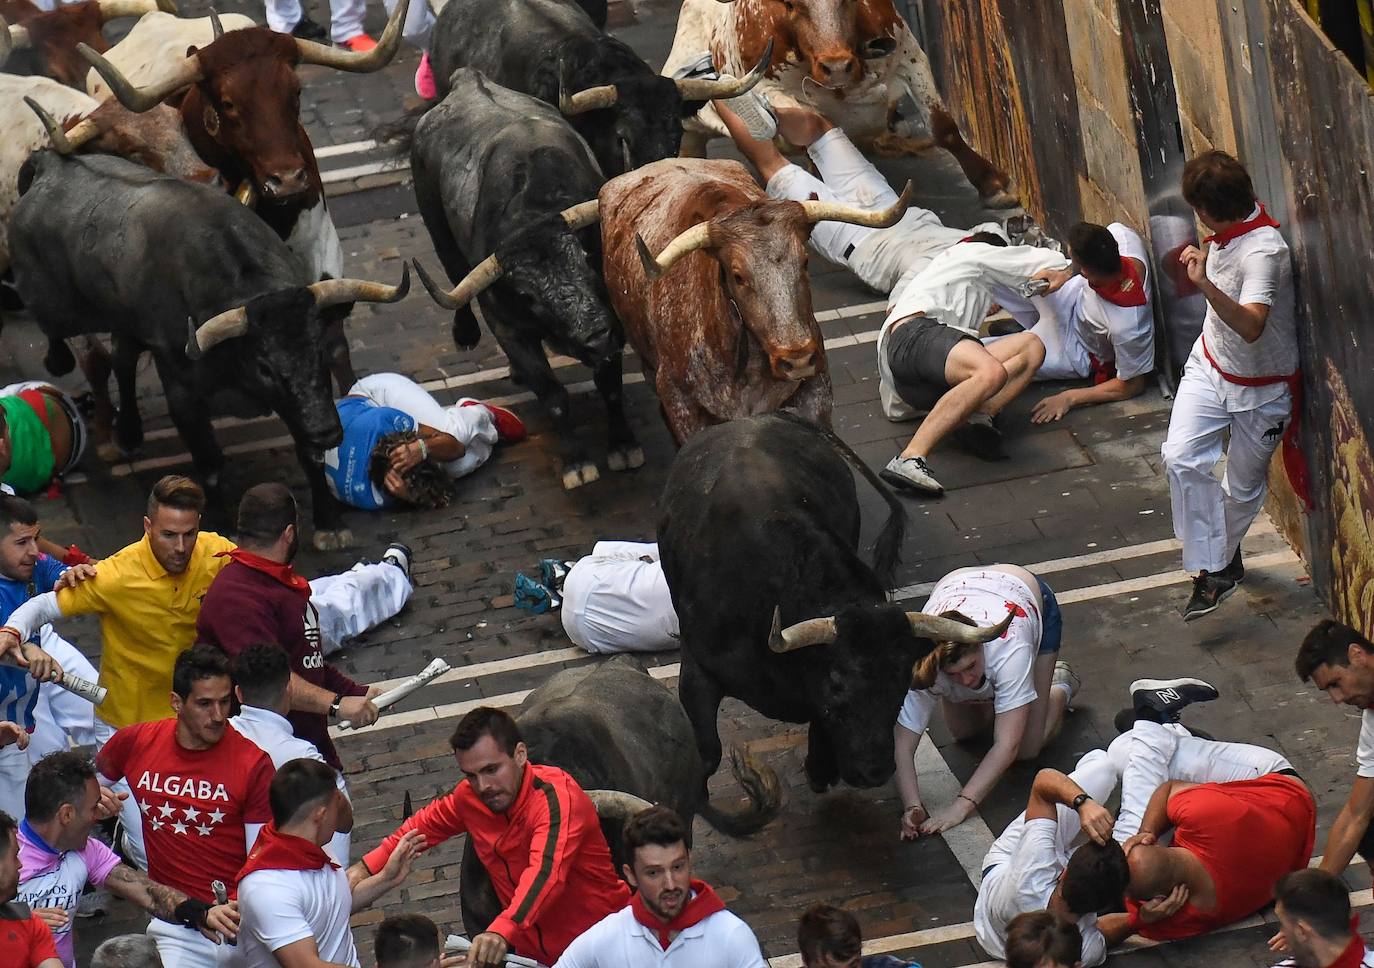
1275,432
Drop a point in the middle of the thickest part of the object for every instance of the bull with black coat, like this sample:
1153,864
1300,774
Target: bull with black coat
551,49
508,192
759,539
100,244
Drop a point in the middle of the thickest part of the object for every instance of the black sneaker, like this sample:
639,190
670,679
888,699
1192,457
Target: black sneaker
1169,697
980,437
1005,327
307,29
1235,571
1209,591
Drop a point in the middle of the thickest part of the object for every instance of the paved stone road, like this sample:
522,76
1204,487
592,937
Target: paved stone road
1085,496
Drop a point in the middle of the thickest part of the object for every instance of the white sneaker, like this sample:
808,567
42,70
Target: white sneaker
1064,675
399,555
755,111
912,473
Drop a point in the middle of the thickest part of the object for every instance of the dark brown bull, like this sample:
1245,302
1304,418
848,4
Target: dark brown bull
51,37
730,332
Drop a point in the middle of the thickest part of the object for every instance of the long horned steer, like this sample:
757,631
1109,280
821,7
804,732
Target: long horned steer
47,40
729,331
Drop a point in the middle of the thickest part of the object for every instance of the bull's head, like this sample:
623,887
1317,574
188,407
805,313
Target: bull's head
245,96
155,139
277,355
831,37
53,36
761,248
860,664
639,118
547,268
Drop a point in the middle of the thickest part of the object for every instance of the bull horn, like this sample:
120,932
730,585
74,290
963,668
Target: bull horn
63,142
813,631
484,274
939,629
697,237
332,292
879,219
141,99
215,26
592,99
347,60
698,89
582,215
6,41
114,9
615,805
227,325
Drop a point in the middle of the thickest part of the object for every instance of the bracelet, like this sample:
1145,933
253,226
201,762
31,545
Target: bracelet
424,448
12,631
970,799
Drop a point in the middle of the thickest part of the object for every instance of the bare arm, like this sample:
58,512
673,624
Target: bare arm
1246,320
442,446
1052,788
393,872
1116,928
906,742
162,901
1156,818
302,954
1007,730
1350,826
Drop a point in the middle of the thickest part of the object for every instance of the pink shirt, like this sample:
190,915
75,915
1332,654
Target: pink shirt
55,879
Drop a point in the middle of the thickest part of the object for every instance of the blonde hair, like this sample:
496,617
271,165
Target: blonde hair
944,655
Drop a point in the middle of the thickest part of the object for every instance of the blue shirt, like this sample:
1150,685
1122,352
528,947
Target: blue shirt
19,690
345,466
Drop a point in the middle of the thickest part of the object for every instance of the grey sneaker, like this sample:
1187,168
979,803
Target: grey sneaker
913,474
399,555
702,67
1064,674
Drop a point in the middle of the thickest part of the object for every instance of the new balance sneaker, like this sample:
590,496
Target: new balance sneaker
1066,677
510,429
913,474
533,597
980,437
553,571
1126,719
1209,591
399,555
424,78
359,44
307,29
1169,697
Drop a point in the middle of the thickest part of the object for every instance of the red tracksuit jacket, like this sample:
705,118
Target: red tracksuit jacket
546,855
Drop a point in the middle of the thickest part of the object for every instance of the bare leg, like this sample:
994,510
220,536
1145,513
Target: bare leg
1047,712
1021,356
974,376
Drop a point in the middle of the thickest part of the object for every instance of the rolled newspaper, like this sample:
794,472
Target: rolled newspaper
456,942
436,668
87,690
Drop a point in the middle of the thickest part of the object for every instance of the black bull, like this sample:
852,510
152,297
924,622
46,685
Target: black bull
614,728
100,244
760,523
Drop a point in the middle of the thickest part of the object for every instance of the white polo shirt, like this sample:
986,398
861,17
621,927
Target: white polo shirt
1364,752
1124,334
619,941
279,908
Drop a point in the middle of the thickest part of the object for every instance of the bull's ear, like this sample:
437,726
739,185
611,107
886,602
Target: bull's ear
690,108
191,51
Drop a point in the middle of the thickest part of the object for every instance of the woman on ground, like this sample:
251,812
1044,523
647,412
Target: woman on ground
1014,685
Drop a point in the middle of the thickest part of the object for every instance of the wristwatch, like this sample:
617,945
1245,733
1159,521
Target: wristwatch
334,706
1079,800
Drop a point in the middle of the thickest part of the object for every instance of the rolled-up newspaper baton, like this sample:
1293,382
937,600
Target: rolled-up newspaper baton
222,897
431,672
87,690
456,942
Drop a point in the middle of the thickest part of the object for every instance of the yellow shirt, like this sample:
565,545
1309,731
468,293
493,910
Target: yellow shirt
147,619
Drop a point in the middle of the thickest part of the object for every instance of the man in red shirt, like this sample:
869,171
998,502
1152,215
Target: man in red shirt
536,833
1212,871
201,790
25,941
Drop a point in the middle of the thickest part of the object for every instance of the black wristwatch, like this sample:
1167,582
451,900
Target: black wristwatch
1079,800
334,706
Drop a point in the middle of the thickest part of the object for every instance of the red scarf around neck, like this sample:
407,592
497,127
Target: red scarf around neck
276,851
703,904
274,569
1127,291
1224,238
1353,955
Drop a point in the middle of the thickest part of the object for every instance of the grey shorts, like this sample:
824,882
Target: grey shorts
916,353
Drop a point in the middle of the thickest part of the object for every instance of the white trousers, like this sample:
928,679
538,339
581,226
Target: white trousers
345,17
1211,516
353,602
186,948
615,601
472,426
1152,753
419,22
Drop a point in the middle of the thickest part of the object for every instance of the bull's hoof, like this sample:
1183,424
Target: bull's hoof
1001,198
579,473
333,540
890,144
625,458
59,360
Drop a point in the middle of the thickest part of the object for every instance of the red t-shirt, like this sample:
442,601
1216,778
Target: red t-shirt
194,803
25,941
1247,834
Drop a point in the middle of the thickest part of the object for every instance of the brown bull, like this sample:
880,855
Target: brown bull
51,37
730,331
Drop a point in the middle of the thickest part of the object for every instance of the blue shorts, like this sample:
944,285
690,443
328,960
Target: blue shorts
1051,621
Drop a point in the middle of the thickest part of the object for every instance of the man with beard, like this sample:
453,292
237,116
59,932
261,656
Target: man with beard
536,833
259,598
672,919
1313,909
25,941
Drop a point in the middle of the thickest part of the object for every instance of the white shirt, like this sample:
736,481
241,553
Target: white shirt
1124,334
279,908
1021,871
1364,752
1009,681
272,734
619,941
615,601
1253,268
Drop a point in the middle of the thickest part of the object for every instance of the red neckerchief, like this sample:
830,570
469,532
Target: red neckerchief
274,569
1224,238
1353,955
1127,291
1102,371
276,851
1293,460
703,904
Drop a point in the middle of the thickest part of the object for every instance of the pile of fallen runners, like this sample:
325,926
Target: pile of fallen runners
161,192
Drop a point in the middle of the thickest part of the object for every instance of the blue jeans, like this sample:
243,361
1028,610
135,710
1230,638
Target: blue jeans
1051,620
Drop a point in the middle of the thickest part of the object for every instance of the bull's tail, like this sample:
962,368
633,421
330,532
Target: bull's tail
761,786
399,134
887,547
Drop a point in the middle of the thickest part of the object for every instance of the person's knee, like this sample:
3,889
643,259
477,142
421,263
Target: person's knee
988,375
1181,457
1035,352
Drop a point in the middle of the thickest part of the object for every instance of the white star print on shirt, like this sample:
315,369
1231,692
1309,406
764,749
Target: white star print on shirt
216,816
166,810
191,813
156,824
179,827
203,830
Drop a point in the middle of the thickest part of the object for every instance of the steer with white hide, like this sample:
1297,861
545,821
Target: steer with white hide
99,244
759,536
